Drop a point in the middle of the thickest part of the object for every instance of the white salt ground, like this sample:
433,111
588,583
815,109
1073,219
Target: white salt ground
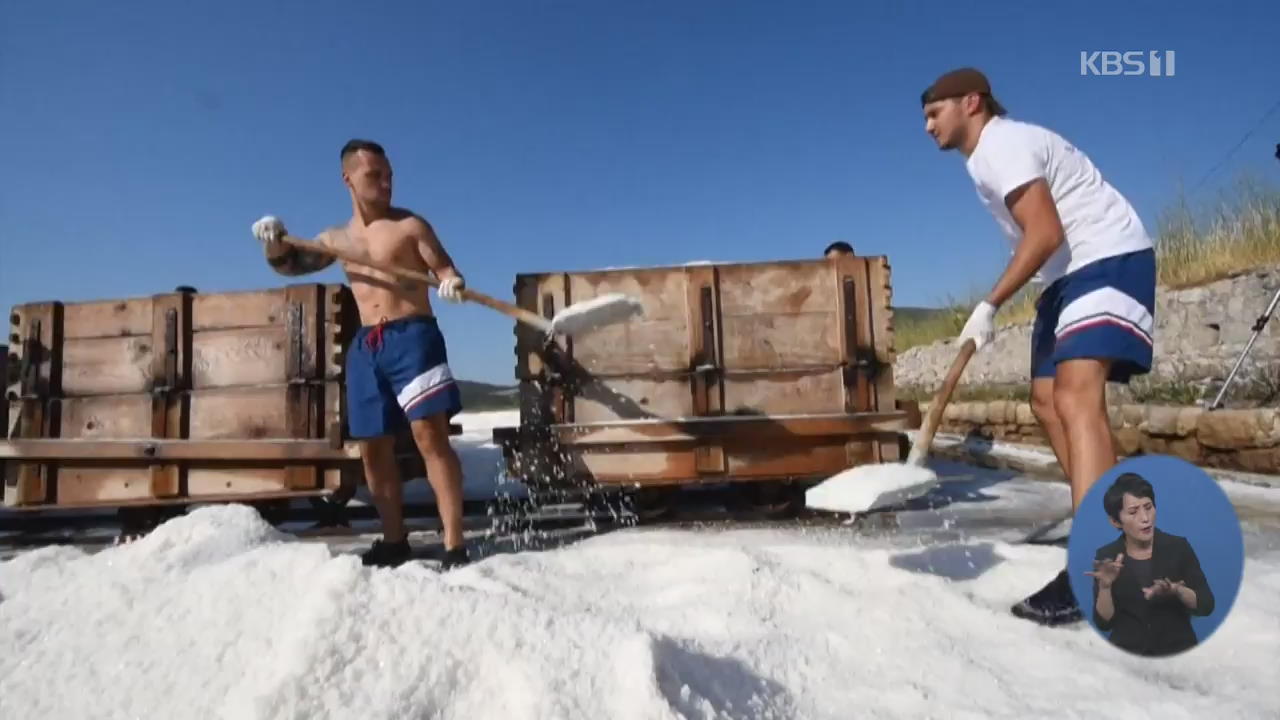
216,615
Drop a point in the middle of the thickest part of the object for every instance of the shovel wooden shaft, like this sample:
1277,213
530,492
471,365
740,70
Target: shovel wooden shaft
505,308
939,404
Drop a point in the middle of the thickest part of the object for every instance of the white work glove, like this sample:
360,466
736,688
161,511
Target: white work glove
451,288
981,325
268,229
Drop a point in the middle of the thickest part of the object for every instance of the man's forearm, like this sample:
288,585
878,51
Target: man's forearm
1030,256
291,260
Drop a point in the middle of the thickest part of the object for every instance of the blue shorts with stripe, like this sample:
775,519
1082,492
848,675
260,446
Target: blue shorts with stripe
398,371
1104,310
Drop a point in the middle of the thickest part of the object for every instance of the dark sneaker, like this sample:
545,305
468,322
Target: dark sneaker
1052,605
385,554
456,557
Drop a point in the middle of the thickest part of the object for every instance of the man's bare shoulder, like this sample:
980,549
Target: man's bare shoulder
337,236
410,220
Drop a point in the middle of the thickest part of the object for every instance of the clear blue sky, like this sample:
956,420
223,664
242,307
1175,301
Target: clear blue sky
142,139
1189,503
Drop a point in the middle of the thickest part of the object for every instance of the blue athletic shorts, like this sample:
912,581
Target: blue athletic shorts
398,371
1104,310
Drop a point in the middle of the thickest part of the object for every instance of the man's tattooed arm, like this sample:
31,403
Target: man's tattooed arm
291,260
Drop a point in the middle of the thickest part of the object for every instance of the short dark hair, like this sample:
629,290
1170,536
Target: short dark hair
840,245
1128,483
356,145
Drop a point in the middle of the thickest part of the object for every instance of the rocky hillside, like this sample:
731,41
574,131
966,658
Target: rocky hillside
478,396
1200,332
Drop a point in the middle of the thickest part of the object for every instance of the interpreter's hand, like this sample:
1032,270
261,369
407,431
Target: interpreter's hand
269,230
1162,587
981,326
451,288
1106,571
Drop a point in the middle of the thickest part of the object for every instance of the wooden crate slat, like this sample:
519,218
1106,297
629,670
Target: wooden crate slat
796,459
239,357
656,341
107,318
694,429
599,399
149,451
238,310
818,390
109,365
778,316
86,487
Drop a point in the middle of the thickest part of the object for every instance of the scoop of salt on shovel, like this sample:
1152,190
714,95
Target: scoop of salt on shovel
865,487
583,317
576,319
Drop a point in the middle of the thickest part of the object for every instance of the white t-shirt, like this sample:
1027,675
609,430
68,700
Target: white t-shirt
1097,220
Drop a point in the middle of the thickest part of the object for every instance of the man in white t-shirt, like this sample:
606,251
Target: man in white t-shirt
1094,319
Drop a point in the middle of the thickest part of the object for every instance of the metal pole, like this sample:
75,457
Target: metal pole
1258,326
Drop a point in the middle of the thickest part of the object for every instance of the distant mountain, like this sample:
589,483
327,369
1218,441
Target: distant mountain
487,396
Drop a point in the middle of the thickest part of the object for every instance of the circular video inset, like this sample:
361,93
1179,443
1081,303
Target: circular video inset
1156,555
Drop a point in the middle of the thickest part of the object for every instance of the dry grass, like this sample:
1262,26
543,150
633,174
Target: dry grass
1240,232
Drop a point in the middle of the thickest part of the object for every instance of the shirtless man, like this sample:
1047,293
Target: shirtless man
397,368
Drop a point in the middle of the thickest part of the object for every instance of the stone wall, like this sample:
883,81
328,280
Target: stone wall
1200,332
1247,440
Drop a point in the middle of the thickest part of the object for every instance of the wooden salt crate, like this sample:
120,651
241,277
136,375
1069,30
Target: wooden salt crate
177,398
737,372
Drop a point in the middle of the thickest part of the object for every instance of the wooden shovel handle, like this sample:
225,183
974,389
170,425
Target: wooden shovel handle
505,308
930,426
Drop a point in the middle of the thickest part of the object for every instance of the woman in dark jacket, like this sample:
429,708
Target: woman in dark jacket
1147,583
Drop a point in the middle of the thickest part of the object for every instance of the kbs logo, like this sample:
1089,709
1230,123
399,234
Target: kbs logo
1133,62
